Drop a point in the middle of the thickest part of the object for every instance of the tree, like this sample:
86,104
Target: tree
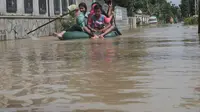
187,8
160,8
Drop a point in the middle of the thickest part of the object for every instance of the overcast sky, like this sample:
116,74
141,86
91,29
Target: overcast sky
177,2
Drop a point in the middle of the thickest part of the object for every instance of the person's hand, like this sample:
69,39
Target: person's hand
93,30
110,5
102,30
94,37
101,36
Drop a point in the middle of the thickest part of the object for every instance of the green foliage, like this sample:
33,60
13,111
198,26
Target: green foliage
159,8
184,8
191,20
187,8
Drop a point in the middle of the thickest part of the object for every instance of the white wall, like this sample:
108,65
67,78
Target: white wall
3,7
20,8
51,5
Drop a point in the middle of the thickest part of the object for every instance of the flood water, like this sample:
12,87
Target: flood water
154,69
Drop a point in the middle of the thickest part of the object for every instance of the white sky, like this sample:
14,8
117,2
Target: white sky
177,2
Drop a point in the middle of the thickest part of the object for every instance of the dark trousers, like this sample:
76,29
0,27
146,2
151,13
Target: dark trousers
75,28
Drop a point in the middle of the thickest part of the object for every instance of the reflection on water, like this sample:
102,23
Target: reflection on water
156,69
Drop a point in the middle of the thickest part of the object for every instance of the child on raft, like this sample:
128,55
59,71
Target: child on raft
98,24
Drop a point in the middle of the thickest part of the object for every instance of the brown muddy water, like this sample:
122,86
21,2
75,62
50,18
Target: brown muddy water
156,69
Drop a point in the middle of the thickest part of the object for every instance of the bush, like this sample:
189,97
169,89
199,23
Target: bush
67,22
191,21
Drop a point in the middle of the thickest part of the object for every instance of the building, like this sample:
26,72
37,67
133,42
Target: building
17,17
44,8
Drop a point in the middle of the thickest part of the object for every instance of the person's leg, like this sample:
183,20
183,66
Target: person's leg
107,31
62,33
75,28
91,34
59,34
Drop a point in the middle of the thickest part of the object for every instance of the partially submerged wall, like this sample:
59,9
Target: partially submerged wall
16,28
16,25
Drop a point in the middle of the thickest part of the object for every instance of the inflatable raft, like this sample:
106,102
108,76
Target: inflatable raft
69,35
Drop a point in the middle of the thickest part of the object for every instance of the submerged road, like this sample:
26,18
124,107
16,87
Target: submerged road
154,69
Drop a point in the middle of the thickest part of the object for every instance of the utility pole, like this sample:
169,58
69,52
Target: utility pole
199,17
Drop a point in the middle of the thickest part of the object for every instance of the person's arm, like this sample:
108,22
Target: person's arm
106,27
108,19
89,23
110,8
107,22
81,20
